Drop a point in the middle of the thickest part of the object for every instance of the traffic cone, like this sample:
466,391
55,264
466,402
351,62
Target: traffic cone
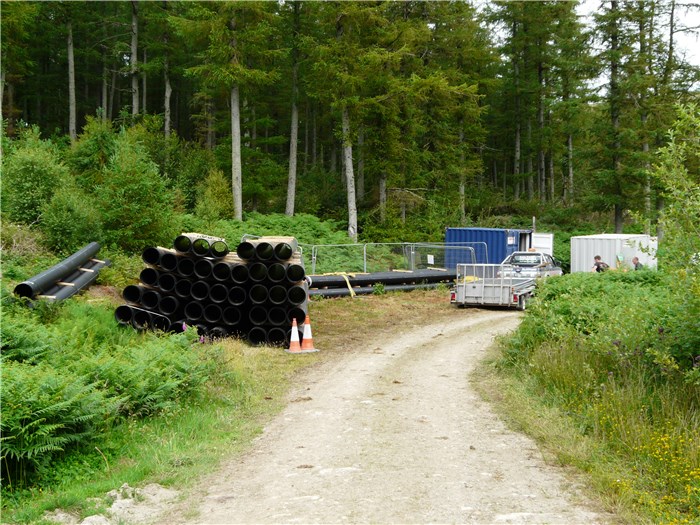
307,342
294,347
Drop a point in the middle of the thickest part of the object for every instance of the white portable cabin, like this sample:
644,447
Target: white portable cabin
616,249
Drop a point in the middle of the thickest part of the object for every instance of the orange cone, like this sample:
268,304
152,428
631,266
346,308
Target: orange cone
294,346
307,342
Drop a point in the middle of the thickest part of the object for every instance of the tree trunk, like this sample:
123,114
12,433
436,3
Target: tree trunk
349,176
143,85
236,176
293,143
360,164
104,85
306,138
382,197
72,127
615,117
166,100
462,178
530,169
517,152
134,58
211,139
112,91
570,167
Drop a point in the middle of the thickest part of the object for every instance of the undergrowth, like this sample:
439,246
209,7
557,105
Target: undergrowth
614,352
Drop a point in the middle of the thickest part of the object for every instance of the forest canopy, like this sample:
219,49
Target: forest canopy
396,118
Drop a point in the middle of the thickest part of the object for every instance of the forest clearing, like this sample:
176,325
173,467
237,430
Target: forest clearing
353,123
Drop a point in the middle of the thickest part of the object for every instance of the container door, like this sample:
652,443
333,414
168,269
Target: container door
543,242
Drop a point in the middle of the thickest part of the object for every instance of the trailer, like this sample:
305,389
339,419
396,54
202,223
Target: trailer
491,285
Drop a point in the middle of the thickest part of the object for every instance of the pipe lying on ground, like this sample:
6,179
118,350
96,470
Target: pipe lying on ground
257,335
74,282
168,305
297,294
277,316
276,336
168,261
237,296
167,282
212,313
367,290
199,290
183,288
185,266
295,273
258,294
231,315
132,293
48,278
218,293
257,315
386,278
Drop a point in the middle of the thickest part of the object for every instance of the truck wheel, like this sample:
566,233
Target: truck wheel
522,302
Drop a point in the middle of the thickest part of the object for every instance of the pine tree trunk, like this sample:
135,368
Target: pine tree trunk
236,175
143,85
112,91
72,127
349,176
530,169
293,143
382,197
615,117
166,100
570,166
306,138
462,178
104,85
360,164
134,58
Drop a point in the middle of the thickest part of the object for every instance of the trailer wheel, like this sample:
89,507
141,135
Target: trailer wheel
522,301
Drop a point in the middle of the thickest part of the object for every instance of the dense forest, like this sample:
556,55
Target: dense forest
396,118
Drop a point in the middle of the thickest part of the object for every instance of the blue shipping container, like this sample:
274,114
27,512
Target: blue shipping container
491,245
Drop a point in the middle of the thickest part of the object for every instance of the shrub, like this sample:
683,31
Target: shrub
91,152
70,220
134,201
215,200
31,173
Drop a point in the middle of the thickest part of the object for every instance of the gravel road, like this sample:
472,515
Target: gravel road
392,433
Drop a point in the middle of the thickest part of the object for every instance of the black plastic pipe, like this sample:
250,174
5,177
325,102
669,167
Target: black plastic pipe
217,332
168,261
150,299
185,266
387,278
44,280
257,272
132,293
151,255
264,251
276,336
277,316
218,293
193,311
277,294
218,249
167,282
239,273
297,313
231,315
82,278
212,313
168,305
296,295
257,335
257,315
149,276
276,273
295,273
237,296
285,250
222,271
203,268
199,290
258,294
246,250
123,314
183,288
366,290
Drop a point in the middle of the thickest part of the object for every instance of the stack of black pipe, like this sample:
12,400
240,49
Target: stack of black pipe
254,293
338,285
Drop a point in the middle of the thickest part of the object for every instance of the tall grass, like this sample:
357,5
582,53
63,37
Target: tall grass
610,353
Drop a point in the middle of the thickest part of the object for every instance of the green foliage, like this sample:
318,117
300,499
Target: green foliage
195,162
618,353
135,204
215,200
91,153
71,374
31,173
44,411
70,220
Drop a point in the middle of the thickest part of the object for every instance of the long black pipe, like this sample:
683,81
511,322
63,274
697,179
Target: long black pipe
74,282
44,280
387,278
366,290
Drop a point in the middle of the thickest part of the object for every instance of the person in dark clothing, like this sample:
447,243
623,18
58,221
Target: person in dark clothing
599,265
636,264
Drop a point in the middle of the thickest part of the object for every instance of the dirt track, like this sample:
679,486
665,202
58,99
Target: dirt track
391,434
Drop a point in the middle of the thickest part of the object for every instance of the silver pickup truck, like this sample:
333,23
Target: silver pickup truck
531,265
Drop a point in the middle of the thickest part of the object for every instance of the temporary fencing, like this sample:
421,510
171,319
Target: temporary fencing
254,293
